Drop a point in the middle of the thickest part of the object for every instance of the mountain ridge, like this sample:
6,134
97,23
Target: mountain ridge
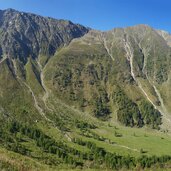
23,28
65,88
13,22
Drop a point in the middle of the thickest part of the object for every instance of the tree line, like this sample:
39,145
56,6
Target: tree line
96,155
132,114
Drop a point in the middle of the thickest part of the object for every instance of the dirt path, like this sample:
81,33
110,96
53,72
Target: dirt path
164,112
3,59
36,104
46,94
130,56
123,146
106,47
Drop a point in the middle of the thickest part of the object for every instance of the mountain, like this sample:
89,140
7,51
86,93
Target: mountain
31,35
27,42
65,88
102,72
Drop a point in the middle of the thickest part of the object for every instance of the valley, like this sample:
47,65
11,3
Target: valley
74,98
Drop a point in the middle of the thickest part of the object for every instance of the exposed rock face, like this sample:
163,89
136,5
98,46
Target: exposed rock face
24,35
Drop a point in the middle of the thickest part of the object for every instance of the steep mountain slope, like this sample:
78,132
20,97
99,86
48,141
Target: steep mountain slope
26,35
27,41
92,70
67,92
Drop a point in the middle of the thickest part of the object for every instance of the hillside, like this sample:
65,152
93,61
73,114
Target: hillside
73,97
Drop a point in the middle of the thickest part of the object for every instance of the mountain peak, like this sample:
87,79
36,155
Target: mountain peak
30,33
9,10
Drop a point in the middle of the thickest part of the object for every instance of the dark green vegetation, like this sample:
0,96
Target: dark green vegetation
12,138
14,135
132,114
76,98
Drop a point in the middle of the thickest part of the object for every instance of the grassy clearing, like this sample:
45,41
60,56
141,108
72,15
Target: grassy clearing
153,142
